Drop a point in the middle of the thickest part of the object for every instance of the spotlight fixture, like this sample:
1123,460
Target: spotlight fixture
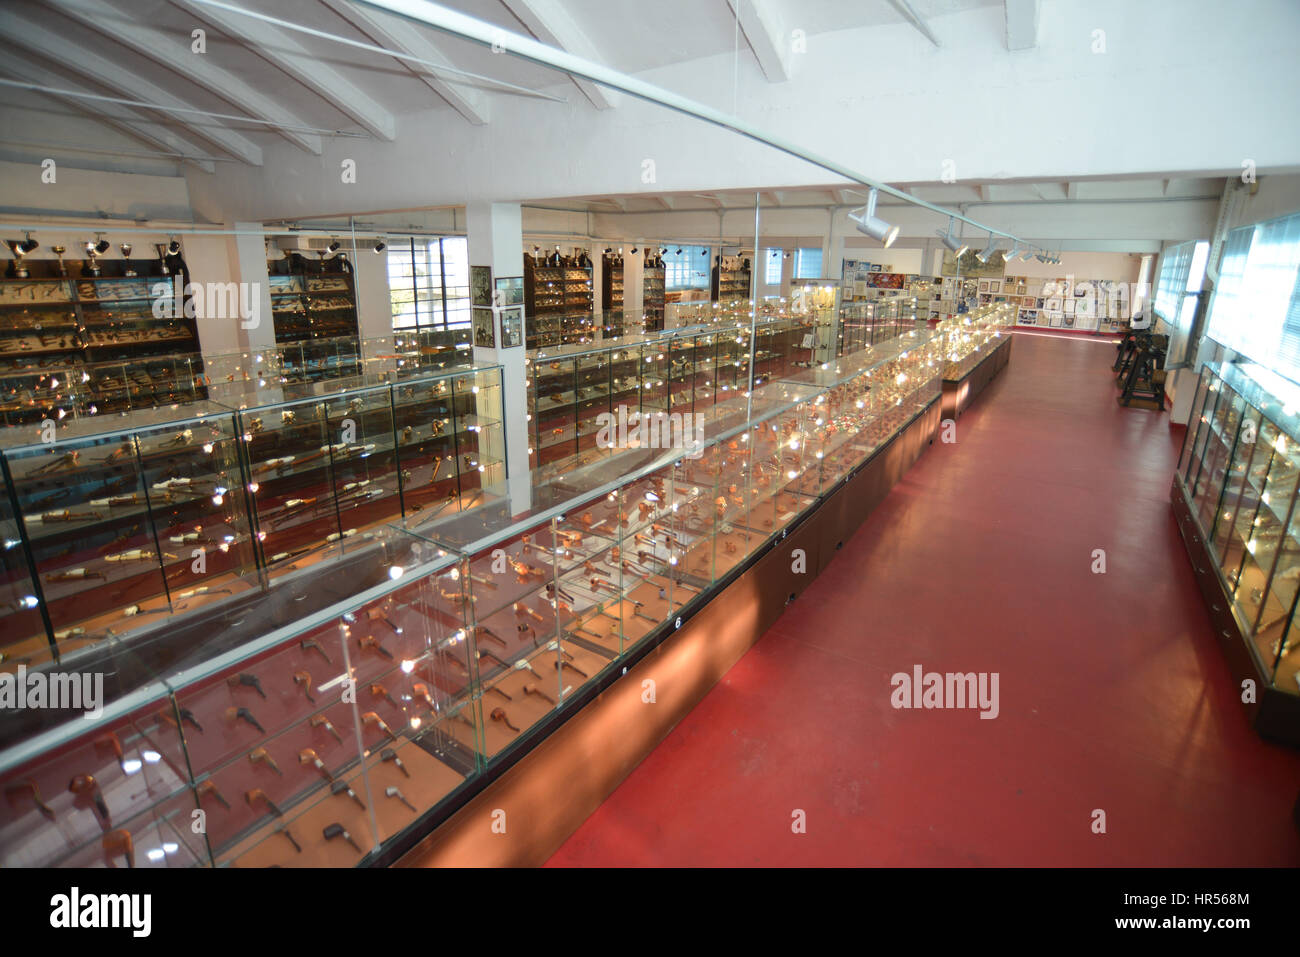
955,245
679,251
633,250
380,246
29,245
333,247
1011,253
704,251
173,248
608,250
99,246
787,254
987,254
872,225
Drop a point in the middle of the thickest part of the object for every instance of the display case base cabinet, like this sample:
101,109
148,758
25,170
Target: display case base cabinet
523,816
958,394
1274,714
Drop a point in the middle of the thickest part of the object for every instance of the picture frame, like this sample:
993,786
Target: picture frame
995,285
484,326
480,286
512,326
509,291
1068,305
875,267
984,285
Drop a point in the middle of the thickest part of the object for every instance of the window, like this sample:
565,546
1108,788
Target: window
428,283
687,269
808,263
772,267
1257,302
1182,270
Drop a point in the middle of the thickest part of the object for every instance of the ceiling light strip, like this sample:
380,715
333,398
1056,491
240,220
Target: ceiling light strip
384,51
525,48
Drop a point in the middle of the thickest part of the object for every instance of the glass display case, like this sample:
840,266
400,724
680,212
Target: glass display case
686,369
174,505
121,525
311,746
1238,470
867,398
867,322
333,713
971,338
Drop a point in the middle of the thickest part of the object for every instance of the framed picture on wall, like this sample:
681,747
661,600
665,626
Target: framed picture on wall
510,291
995,285
512,326
875,267
1068,305
984,285
484,327
480,285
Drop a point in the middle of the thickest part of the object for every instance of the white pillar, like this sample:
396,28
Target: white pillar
239,258
496,239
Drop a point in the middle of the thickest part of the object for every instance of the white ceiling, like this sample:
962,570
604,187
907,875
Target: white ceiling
436,138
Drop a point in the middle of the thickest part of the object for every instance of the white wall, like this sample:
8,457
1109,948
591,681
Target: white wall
903,260
1121,267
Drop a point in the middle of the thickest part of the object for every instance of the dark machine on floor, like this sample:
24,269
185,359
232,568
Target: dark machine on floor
1139,362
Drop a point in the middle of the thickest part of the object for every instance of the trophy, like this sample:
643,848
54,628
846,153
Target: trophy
162,257
59,251
17,268
126,255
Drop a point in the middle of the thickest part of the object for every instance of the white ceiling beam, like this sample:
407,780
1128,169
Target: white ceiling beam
1022,24
73,56
122,118
283,51
1072,190
667,202
552,23
391,31
760,24
111,22
911,16
711,198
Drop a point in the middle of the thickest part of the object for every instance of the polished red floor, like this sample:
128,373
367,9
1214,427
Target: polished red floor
1113,694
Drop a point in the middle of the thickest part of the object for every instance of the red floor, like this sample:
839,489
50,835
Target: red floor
1113,694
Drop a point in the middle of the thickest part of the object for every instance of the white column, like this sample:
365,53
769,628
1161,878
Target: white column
238,258
496,239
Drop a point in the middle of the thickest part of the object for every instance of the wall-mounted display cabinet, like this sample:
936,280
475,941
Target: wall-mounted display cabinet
311,301
558,299
731,279
470,632
64,326
1235,495
653,291
611,281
